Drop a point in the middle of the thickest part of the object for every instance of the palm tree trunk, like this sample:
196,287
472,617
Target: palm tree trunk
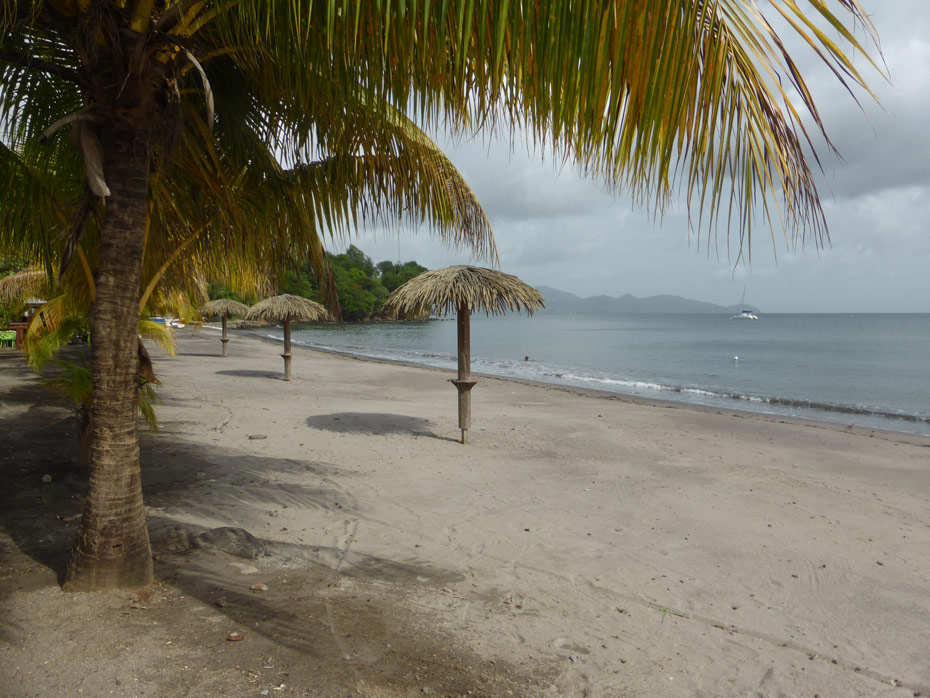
113,549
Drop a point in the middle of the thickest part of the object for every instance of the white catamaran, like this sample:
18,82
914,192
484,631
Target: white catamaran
743,313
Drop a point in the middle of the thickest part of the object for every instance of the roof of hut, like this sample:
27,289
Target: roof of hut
287,307
444,290
224,306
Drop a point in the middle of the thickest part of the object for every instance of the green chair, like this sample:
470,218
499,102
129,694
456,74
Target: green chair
7,338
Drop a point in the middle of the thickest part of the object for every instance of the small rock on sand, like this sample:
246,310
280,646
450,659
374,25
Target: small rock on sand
234,541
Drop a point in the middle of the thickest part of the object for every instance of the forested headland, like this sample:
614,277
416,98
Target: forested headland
362,286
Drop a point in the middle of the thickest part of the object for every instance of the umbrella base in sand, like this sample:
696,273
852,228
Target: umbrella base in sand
464,386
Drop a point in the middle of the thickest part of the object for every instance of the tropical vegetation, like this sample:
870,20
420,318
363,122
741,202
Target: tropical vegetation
361,285
140,133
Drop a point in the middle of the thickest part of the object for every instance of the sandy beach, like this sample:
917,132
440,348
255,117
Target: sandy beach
578,545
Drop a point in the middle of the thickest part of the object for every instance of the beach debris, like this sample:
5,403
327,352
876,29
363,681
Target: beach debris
235,637
573,658
46,478
259,587
257,437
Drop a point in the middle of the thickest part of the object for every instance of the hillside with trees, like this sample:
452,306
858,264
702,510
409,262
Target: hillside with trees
362,286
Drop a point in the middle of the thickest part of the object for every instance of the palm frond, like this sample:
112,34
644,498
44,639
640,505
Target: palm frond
692,97
74,382
23,285
52,327
148,398
159,333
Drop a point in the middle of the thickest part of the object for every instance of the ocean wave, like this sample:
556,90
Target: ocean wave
703,395
547,373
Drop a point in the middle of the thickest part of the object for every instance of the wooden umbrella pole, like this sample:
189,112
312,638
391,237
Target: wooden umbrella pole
287,348
225,338
464,383
464,337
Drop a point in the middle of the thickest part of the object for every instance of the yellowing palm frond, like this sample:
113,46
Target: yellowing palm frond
159,333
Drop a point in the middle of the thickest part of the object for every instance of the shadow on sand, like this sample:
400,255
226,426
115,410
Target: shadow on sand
374,423
251,373
331,614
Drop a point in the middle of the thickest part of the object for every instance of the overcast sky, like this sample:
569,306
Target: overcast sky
553,228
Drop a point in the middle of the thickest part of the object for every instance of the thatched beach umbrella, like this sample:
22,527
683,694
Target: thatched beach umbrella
283,309
464,289
224,307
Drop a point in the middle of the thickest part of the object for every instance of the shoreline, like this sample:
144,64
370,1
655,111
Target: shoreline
909,437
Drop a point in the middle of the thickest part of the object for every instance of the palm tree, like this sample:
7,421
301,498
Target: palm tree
174,105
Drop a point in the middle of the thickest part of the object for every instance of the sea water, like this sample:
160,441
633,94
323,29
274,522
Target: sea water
863,370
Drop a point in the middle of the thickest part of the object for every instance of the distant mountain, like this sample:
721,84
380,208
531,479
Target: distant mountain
564,303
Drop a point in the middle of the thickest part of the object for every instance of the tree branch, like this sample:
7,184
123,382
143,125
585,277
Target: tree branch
40,64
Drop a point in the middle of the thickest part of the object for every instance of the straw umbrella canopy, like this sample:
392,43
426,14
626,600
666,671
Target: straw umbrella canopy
283,309
464,289
224,307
